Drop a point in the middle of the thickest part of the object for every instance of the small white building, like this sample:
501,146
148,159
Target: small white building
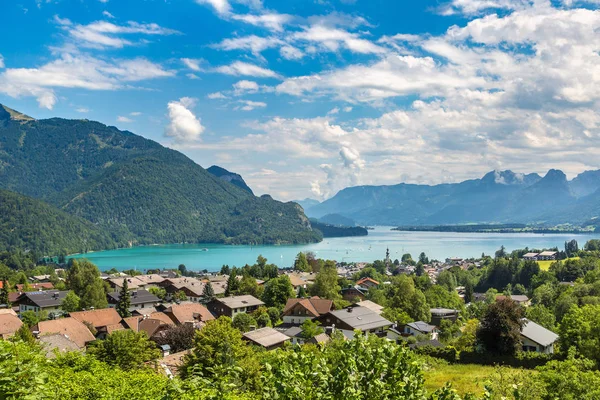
547,255
421,328
536,338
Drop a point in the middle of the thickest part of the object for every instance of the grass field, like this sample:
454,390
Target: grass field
545,265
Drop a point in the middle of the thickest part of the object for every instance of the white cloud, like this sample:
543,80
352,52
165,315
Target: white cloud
1,61
222,7
184,126
216,95
101,34
291,53
192,76
135,113
77,71
272,21
254,44
82,110
249,105
240,68
332,39
193,64
244,87
107,14
474,7
121,118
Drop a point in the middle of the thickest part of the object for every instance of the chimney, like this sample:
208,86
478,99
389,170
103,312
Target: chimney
349,309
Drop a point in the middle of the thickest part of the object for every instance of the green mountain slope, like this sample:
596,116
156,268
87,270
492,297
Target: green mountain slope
31,224
139,190
231,177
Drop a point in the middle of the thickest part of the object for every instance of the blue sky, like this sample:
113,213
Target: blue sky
305,97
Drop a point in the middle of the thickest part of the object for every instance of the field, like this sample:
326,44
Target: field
465,378
545,265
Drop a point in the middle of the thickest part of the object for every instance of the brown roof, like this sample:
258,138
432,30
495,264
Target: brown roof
185,312
133,322
161,316
132,282
296,280
98,318
37,286
315,305
59,342
151,326
8,311
266,337
9,324
367,279
151,278
115,327
70,327
170,364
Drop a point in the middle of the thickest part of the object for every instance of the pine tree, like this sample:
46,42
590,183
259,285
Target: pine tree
124,300
208,292
233,284
4,294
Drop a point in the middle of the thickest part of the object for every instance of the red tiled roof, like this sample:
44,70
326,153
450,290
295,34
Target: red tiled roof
185,312
98,318
9,324
70,327
367,279
314,305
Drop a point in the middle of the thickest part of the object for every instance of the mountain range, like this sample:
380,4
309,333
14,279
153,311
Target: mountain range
498,197
133,190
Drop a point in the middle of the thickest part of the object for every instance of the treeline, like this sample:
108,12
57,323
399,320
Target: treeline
338,231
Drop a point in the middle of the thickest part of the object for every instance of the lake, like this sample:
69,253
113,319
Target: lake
437,245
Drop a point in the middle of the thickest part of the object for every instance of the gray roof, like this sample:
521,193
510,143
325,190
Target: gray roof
294,331
141,296
266,337
442,311
538,333
361,318
422,326
240,301
547,253
521,298
47,298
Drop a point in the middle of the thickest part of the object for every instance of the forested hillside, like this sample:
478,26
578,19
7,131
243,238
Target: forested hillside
140,191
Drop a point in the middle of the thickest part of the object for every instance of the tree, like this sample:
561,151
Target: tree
301,292
326,283
84,279
30,318
310,329
579,329
248,285
225,270
70,303
244,322
301,263
571,248
468,337
178,337
217,344
159,292
182,270
126,349
278,291
263,320
24,334
501,253
500,328
4,294
233,284
274,314
179,296
124,302
423,259
541,315
469,292
208,293
407,258
419,269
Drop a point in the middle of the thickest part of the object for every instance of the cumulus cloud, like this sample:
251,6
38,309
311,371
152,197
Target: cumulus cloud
272,21
77,71
107,14
124,119
193,64
248,105
240,68
1,61
254,44
221,7
245,87
82,110
216,95
184,126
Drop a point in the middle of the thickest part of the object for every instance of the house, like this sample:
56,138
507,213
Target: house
74,330
230,306
57,342
547,255
296,311
9,323
355,318
104,320
36,286
536,338
319,339
353,293
370,305
294,333
530,256
133,283
172,363
367,283
192,287
48,301
188,312
439,314
151,280
268,338
520,299
298,282
139,299
421,328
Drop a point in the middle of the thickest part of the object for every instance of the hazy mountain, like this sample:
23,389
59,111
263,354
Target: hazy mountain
337,220
499,196
307,203
230,177
136,188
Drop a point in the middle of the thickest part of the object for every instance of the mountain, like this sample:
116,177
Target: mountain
498,197
230,177
137,189
337,220
330,231
31,224
307,203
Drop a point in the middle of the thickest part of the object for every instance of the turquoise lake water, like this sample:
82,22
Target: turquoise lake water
437,245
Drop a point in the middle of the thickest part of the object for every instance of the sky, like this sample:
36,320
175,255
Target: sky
306,97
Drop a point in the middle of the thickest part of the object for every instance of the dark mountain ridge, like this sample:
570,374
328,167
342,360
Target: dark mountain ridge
230,177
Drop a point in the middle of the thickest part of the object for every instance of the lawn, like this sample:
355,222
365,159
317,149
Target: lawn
545,265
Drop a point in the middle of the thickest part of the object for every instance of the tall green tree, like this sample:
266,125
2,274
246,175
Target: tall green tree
71,302
126,349
83,278
500,329
244,322
4,293
208,293
326,283
301,263
124,303
233,285
278,291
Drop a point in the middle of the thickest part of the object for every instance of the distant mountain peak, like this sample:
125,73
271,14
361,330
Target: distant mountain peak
508,177
7,113
231,177
555,175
